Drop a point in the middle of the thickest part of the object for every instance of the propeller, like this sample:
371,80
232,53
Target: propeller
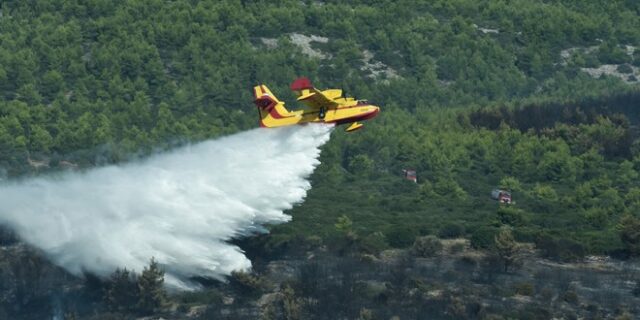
345,95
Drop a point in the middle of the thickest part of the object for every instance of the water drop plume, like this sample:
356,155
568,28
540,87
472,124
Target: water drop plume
180,207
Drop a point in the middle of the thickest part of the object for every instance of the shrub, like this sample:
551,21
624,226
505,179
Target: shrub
630,233
526,234
610,53
559,249
121,291
468,260
373,243
457,248
465,264
208,296
401,236
596,217
247,283
449,188
512,216
625,68
524,289
570,296
428,246
546,294
361,165
483,237
313,241
510,183
451,230
591,61
544,193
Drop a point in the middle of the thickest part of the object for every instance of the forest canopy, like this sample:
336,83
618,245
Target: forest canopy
475,95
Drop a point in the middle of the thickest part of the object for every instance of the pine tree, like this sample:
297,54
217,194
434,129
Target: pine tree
630,233
506,248
151,285
122,292
291,304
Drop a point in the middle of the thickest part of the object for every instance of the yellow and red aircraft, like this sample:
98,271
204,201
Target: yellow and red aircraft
326,106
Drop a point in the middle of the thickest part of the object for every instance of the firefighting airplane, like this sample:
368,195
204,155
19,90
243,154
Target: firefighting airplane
326,106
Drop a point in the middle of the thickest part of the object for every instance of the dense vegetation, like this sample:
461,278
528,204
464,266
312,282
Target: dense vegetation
572,178
481,95
117,79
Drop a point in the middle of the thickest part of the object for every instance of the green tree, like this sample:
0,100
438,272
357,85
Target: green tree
512,216
626,173
507,248
559,248
140,110
632,199
246,283
629,228
152,294
40,140
597,218
52,82
483,238
344,224
29,94
510,183
427,246
448,187
451,230
361,165
122,292
104,130
292,306
544,193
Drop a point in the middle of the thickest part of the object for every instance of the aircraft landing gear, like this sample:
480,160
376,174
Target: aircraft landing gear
321,114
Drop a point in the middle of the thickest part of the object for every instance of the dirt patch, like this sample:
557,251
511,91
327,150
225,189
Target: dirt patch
613,70
270,43
377,68
630,75
486,30
304,42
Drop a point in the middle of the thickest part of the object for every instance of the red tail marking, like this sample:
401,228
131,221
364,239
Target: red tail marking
301,84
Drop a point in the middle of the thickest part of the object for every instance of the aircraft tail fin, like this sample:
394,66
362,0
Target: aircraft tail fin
264,98
303,87
269,107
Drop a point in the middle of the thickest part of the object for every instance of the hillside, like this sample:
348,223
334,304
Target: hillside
85,78
538,97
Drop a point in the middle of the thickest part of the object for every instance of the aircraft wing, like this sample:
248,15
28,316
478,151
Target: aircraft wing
316,99
313,97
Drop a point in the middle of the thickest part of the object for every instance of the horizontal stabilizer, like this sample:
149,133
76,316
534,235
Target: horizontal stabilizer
306,95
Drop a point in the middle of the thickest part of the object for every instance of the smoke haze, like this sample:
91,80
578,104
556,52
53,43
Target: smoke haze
179,207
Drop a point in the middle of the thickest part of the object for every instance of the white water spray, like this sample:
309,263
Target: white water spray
179,207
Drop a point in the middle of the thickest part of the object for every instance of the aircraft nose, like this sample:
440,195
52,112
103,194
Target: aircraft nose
371,114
